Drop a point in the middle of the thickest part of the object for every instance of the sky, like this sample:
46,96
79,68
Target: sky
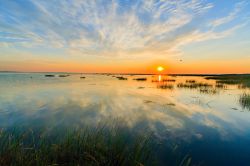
125,36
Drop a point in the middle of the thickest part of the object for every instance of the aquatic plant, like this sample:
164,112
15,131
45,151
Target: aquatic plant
244,101
193,85
101,145
232,79
190,81
49,75
168,80
63,75
165,86
121,78
208,91
140,79
220,86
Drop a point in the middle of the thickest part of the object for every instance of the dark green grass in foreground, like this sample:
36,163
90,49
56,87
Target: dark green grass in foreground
101,145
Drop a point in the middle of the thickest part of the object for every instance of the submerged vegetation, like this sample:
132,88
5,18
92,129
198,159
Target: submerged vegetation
245,101
101,145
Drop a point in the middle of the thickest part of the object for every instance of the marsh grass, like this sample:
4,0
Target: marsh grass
121,78
244,101
220,86
140,79
233,79
101,145
210,91
49,75
63,75
194,85
165,86
168,80
190,81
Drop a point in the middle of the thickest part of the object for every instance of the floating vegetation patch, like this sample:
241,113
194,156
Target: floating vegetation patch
121,78
209,91
168,80
194,85
165,86
245,101
49,75
170,104
140,79
190,81
63,75
148,101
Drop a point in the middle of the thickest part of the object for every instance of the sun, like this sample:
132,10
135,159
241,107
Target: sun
160,68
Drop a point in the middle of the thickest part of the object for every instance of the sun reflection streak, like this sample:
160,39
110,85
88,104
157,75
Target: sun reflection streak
159,78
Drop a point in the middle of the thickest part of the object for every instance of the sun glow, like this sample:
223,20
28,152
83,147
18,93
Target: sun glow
160,68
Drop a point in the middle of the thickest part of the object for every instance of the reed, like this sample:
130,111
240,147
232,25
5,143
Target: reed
244,101
140,79
165,86
101,145
121,78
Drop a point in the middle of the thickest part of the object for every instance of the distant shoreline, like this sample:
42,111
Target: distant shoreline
130,73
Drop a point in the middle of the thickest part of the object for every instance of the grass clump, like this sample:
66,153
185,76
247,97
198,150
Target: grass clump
168,80
208,91
232,79
140,79
194,85
121,78
63,75
165,86
245,101
101,145
190,81
220,86
49,75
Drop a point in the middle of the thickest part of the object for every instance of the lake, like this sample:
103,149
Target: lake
192,117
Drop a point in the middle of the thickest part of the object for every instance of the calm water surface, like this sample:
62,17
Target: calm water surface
208,123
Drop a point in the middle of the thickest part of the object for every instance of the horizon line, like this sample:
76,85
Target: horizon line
184,74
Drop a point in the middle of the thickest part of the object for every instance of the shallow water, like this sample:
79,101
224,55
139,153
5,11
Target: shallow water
208,123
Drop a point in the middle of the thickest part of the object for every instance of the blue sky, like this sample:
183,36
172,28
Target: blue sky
57,32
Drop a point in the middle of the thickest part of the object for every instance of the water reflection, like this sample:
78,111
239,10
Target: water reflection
181,111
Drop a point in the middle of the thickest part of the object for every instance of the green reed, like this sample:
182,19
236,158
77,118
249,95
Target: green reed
100,145
244,101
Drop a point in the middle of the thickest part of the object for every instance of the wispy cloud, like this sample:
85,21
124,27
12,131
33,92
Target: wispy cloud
113,28
231,16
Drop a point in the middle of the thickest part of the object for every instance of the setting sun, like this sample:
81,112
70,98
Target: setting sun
160,68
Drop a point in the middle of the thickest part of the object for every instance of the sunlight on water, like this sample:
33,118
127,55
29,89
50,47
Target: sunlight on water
176,108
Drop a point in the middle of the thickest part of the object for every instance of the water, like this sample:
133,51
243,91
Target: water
208,123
